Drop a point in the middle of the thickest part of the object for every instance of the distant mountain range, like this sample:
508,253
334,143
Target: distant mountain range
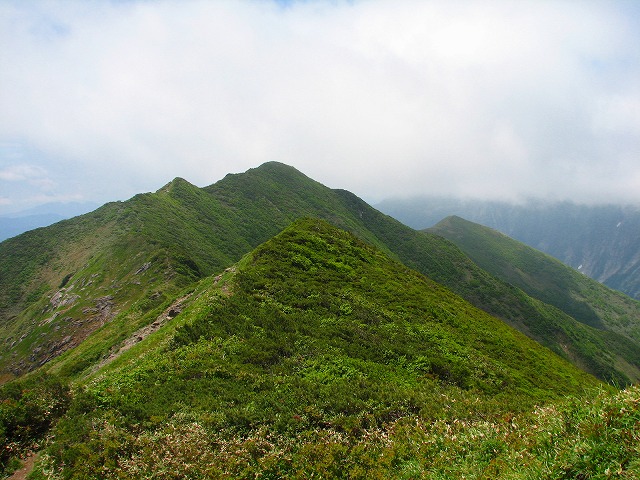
601,241
268,325
41,216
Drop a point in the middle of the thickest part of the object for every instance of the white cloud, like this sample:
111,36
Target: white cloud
22,172
486,98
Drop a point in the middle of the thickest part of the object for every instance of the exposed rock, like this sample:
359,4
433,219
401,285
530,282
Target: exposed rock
104,307
143,268
35,352
61,299
57,298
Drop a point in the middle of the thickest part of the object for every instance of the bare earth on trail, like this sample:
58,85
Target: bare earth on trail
26,468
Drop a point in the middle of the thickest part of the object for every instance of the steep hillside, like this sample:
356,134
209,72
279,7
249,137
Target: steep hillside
123,265
543,277
601,241
313,338
60,283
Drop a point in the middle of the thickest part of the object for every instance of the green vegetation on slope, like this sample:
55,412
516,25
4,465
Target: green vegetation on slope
77,275
604,354
316,357
584,437
59,284
614,315
602,241
121,265
29,407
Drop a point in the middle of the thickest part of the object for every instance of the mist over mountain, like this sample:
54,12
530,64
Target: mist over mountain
601,241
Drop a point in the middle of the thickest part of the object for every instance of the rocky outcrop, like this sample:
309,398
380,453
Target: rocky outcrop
62,299
102,311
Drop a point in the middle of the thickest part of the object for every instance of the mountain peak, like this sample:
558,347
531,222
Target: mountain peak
177,182
273,170
275,166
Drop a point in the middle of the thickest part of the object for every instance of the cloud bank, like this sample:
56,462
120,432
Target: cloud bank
493,99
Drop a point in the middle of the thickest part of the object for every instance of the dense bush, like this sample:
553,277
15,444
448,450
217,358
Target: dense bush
28,409
584,437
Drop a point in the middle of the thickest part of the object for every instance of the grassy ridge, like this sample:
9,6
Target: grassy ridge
319,355
79,274
606,354
119,266
599,240
175,236
543,277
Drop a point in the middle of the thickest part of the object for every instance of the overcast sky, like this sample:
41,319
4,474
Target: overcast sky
100,100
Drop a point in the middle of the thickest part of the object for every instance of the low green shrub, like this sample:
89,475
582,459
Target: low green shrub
29,407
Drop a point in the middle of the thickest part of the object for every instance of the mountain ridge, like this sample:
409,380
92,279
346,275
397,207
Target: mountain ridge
512,261
129,259
600,241
315,341
359,350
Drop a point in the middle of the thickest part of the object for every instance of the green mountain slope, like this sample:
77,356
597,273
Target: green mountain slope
602,241
60,283
315,336
120,268
614,315
543,277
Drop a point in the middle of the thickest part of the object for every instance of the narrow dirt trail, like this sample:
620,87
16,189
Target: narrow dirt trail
139,335
26,469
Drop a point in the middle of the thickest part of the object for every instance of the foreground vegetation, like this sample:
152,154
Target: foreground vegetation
592,436
586,437
29,408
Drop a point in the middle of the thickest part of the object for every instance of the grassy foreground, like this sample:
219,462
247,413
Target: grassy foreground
585,438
